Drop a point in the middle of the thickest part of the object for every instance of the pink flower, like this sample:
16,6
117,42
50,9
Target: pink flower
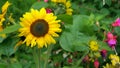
48,10
45,0
96,64
116,23
111,39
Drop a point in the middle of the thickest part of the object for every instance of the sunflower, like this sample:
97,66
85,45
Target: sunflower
39,28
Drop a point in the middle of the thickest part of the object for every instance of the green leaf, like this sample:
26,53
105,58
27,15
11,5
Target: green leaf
67,19
104,45
2,65
73,42
38,5
1,39
99,17
108,2
117,30
83,24
15,65
7,46
10,29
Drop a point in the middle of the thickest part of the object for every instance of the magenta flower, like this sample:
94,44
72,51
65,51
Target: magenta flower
48,10
116,23
111,39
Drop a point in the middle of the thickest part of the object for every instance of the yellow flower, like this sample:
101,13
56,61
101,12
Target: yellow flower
109,66
93,46
59,1
4,7
68,8
114,59
68,4
39,28
69,11
4,10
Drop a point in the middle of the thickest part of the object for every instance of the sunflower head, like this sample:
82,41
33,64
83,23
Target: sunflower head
39,28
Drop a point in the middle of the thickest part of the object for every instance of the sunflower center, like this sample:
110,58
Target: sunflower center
39,28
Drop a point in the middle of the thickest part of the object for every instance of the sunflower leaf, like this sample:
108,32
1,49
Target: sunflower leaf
38,5
67,19
10,29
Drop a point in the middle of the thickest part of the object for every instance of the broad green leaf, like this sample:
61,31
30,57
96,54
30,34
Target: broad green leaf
73,42
104,45
10,29
83,24
38,5
67,19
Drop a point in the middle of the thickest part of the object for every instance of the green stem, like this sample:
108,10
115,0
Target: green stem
8,61
79,61
36,56
48,55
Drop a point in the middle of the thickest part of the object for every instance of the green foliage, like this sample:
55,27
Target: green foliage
38,5
90,20
10,29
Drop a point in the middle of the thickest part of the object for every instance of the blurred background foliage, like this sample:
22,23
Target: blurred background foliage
86,13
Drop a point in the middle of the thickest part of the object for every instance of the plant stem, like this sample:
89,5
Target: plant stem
39,54
79,61
8,61
36,56
48,55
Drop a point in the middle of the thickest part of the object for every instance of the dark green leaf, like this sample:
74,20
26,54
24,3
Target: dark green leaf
108,2
7,46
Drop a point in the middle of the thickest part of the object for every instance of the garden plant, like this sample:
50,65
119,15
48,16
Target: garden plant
59,33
